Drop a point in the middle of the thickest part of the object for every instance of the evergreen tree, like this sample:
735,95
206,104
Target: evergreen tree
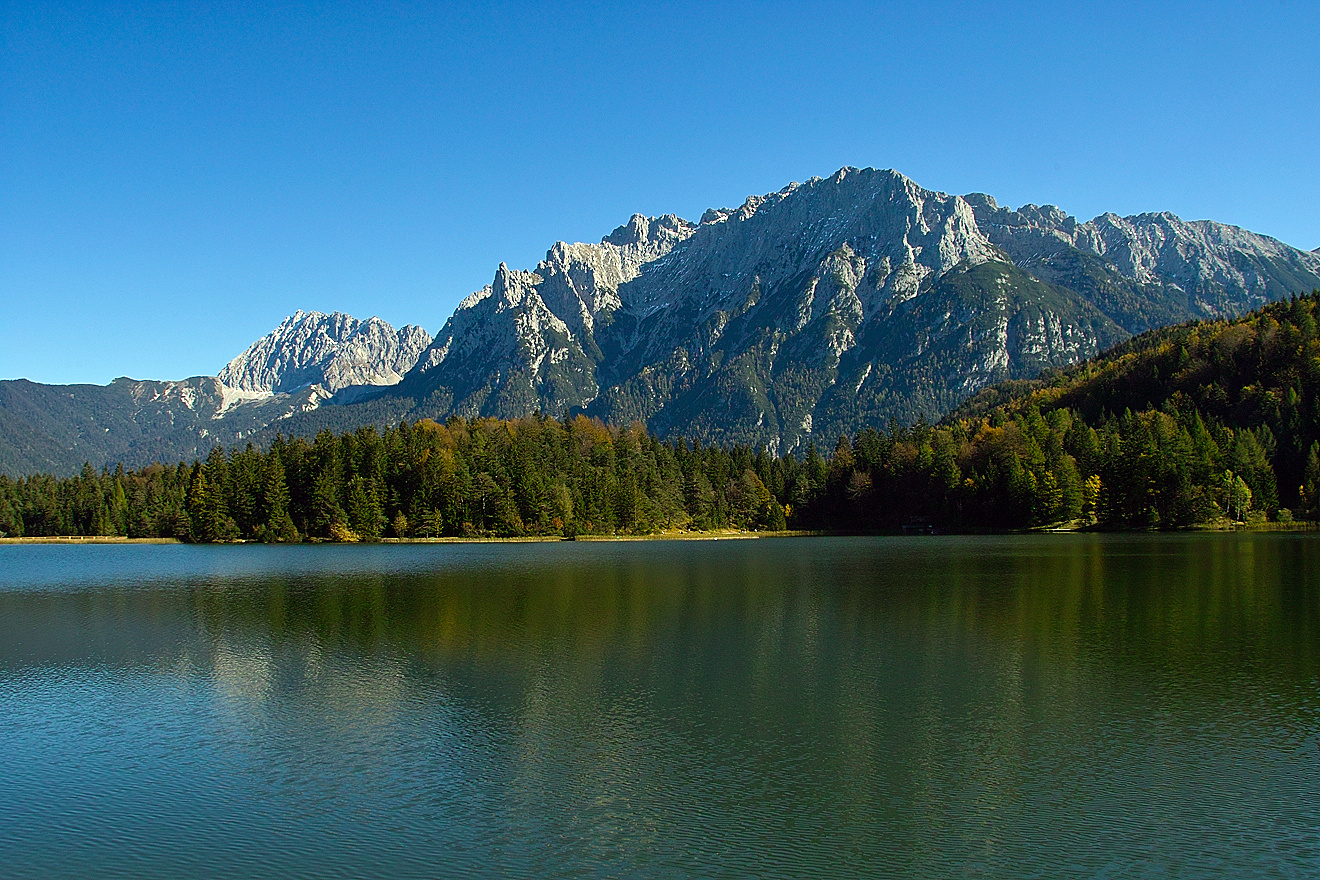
278,526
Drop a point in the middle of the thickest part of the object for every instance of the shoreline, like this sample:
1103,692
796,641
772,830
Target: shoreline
88,539
732,535
718,535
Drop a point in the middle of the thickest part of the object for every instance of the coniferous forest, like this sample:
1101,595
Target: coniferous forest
1200,423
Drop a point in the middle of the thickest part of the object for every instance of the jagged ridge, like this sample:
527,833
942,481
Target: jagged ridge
858,298
334,351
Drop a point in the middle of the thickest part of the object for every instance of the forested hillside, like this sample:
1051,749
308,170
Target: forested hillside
1184,425
1205,422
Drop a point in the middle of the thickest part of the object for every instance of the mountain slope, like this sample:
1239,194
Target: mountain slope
1204,422
55,428
1151,269
804,313
1258,371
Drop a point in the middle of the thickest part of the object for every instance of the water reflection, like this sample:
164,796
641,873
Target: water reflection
1066,705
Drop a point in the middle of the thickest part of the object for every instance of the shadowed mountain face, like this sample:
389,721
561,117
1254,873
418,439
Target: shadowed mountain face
55,428
799,316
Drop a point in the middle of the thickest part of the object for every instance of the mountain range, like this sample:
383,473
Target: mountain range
801,315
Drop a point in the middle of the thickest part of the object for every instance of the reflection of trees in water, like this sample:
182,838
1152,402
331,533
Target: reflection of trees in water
846,632
492,613
1233,602
875,696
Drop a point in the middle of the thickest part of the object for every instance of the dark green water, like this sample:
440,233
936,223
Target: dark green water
1036,706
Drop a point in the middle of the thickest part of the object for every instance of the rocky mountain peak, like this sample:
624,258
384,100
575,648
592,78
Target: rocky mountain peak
510,285
640,240
981,202
332,351
860,295
635,230
642,231
506,323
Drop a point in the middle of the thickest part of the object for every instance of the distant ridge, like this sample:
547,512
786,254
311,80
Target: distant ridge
333,351
305,361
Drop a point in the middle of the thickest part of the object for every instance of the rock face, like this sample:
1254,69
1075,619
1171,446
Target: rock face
1151,269
333,352
829,305
526,341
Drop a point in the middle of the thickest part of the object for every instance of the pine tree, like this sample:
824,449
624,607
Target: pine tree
278,526
364,511
325,510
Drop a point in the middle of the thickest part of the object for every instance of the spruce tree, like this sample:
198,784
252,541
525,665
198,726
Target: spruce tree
278,526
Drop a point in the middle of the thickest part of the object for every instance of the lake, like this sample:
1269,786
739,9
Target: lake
1007,706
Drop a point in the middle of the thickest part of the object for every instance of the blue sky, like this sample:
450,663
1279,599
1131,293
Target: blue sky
175,179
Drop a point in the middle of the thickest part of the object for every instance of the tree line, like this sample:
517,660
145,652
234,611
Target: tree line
1209,421
488,477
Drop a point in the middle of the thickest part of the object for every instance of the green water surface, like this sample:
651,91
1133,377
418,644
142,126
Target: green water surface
1023,706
